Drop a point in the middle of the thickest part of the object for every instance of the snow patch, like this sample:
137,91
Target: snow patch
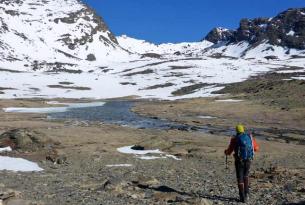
119,165
150,157
229,100
6,149
206,117
291,33
291,71
46,110
129,150
146,154
18,165
299,78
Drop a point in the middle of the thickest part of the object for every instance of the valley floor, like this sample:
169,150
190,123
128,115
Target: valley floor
83,166
94,172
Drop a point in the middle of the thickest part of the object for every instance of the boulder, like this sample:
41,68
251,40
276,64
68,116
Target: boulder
24,140
91,57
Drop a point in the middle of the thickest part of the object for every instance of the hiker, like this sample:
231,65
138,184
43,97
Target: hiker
244,146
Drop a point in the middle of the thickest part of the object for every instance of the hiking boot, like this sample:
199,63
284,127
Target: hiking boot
246,198
246,188
241,192
242,198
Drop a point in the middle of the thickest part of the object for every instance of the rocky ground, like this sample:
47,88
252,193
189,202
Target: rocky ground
76,155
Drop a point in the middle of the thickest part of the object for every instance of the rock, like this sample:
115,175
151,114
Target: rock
105,184
91,57
302,190
25,140
151,55
55,158
19,202
205,202
7,195
165,196
146,181
218,35
266,185
62,159
52,156
137,147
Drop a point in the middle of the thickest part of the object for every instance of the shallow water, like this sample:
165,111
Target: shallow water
120,113
117,112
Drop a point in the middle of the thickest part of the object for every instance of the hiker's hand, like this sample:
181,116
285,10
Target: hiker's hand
226,152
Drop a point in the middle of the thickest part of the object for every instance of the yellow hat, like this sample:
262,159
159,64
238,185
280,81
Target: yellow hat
240,128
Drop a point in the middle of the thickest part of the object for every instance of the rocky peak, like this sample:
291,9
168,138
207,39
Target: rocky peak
287,29
219,35
64,31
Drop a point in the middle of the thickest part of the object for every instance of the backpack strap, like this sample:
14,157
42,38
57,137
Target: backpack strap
251,137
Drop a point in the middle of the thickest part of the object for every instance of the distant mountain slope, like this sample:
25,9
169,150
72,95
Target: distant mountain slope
283,35
47,33
62,49
142,46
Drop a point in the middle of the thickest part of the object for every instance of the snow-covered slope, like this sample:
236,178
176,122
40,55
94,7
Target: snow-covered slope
142,46
54,33
245,50
61,48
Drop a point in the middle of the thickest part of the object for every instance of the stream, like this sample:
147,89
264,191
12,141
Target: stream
120,113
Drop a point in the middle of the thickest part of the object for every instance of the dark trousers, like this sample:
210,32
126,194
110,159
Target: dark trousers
242,169
242,174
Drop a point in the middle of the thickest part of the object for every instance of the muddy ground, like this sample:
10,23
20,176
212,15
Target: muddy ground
199,177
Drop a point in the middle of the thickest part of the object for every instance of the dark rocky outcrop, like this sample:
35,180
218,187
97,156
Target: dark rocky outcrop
91,57
25,140
287,29
85,14
151,55
218,35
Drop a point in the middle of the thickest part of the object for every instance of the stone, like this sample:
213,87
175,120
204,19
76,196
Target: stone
18,202
91,57
7,195
166,196
24,139
138,147
205,202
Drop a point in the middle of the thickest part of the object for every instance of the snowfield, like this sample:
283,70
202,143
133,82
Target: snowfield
148,78
142,46
62,49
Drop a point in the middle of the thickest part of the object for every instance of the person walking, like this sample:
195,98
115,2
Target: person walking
244,146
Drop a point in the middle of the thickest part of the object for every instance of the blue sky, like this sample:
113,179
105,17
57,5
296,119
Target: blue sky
161,21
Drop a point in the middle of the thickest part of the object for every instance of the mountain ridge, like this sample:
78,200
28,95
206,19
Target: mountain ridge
59,31
63,49
287,29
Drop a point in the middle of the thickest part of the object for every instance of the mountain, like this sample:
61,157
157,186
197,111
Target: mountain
280,35
144,47
63,49
53,34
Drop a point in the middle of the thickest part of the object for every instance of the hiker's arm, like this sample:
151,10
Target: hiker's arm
255,145
231,147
